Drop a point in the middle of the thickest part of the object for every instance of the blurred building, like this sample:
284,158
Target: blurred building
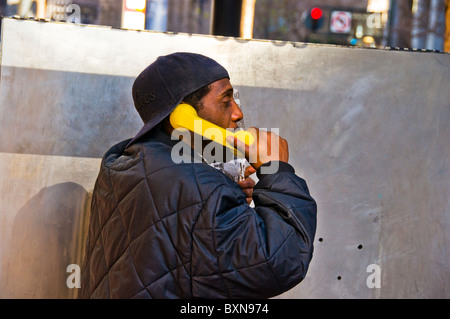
373,23
363,23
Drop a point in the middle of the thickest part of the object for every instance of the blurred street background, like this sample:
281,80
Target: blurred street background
366,110
414,24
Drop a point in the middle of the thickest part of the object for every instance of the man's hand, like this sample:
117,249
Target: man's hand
248,183
267,147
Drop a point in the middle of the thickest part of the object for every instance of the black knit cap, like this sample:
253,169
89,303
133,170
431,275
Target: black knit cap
165,82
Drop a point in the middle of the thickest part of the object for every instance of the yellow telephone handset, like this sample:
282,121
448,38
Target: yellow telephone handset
185,116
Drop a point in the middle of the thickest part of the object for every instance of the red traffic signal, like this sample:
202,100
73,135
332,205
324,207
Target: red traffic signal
314,19
316,13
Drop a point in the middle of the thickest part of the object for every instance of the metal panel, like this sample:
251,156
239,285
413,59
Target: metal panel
367,129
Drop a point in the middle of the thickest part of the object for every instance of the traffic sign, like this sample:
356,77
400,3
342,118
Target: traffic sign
341,22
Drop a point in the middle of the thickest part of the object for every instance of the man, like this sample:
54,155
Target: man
160,229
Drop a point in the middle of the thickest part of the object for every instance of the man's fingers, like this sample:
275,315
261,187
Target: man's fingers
247,183
248,192
249,170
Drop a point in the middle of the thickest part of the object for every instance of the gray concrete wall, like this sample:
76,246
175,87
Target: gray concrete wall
368,130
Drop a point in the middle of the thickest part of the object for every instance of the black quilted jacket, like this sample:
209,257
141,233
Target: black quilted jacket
164,230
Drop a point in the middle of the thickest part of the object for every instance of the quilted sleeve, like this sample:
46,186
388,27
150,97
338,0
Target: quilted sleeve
255,252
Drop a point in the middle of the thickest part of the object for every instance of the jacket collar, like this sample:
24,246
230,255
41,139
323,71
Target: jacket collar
159,135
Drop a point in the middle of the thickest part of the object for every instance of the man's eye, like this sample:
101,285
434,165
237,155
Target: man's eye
227,103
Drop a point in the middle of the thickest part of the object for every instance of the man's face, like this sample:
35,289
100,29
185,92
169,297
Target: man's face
219,107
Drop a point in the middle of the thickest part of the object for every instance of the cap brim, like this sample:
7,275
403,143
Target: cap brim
146,128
